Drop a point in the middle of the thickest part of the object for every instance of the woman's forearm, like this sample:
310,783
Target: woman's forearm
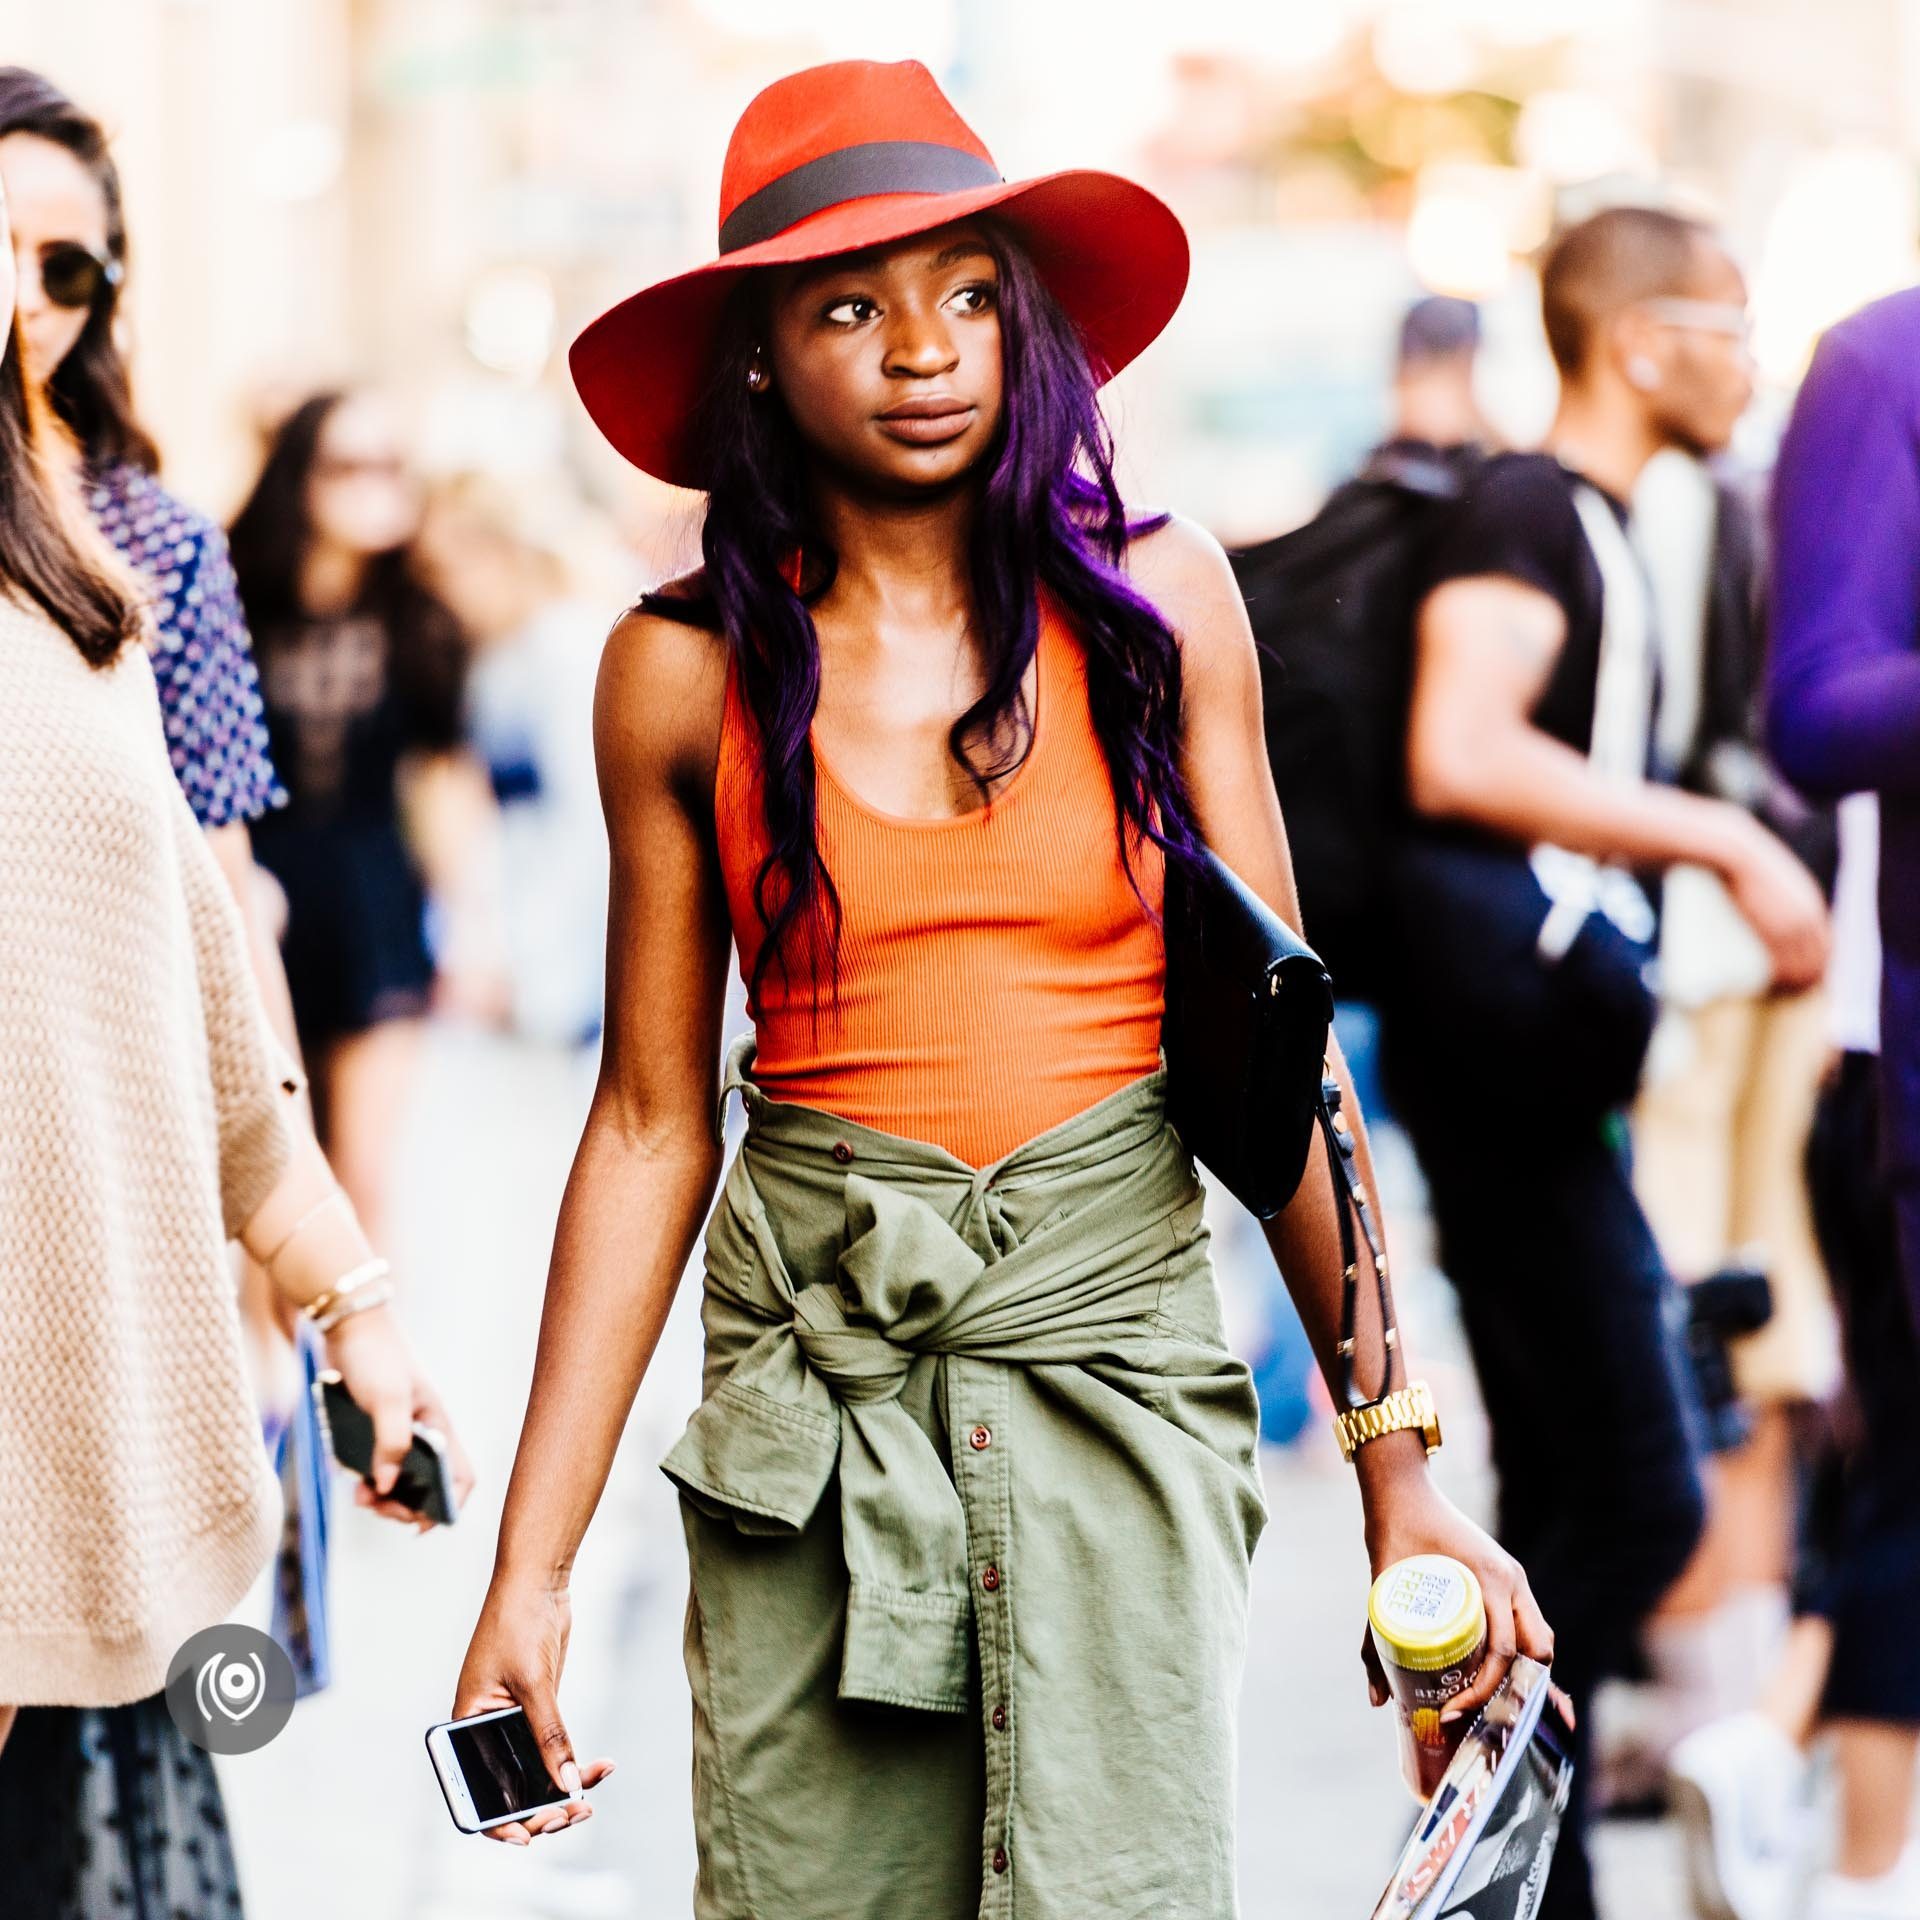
1527,786
1305,1238
633,1205
305,1233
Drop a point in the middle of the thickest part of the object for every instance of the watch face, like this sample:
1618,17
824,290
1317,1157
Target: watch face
1406,1408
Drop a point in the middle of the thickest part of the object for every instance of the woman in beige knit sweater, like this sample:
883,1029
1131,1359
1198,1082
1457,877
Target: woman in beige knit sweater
146,1118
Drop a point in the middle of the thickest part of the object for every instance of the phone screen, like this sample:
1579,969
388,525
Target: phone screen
503,1768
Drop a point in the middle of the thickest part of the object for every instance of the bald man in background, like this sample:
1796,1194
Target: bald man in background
1511,1046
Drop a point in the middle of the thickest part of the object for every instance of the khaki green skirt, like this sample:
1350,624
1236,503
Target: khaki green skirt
969,1502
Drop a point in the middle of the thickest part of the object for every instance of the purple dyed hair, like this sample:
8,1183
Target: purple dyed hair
1050,516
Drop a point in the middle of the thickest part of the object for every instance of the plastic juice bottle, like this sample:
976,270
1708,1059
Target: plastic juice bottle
1430,1630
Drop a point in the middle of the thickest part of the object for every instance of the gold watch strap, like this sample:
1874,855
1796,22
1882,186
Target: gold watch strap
1406,1407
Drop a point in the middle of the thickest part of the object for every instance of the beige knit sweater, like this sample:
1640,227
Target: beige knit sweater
141,1124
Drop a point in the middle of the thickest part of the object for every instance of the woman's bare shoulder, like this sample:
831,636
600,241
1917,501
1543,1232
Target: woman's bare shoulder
1185,572
661,694
1180,566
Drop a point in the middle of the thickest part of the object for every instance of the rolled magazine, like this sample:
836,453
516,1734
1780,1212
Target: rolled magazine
1482,1845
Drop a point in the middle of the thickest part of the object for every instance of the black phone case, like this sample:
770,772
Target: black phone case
424,1483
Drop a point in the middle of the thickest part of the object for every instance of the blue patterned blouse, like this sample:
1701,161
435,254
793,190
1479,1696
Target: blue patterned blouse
202,659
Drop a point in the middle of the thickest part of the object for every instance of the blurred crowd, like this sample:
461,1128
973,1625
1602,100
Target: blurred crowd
1626,979
1608,899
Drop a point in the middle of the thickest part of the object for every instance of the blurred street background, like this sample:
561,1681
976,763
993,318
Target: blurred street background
430,197
439,193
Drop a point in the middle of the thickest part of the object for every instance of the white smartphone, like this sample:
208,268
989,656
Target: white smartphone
491,1769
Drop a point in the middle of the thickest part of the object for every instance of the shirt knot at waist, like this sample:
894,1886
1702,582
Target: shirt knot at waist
836,1346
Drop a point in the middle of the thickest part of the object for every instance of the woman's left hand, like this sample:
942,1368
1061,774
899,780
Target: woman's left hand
379,1371
1408,1514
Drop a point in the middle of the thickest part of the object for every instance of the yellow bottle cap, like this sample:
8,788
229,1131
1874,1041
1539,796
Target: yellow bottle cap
1427,1613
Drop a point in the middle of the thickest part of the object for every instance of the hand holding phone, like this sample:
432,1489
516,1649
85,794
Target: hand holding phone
425,1484
515,1659
491,1769
493,1774
369,1352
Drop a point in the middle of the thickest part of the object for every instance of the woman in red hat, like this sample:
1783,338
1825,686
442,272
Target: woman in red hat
971,1497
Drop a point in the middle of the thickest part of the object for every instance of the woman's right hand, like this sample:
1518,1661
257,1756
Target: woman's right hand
374,1361
514,1659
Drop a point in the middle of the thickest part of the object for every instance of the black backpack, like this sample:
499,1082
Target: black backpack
1332,605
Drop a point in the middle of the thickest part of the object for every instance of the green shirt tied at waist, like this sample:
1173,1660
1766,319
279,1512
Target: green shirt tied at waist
1016,1377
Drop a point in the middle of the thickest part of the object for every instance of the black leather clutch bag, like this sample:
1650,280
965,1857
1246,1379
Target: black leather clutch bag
1245,1033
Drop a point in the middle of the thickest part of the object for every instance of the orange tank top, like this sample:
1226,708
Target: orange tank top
997,972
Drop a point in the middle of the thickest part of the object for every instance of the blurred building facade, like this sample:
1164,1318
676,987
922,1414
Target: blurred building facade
439,192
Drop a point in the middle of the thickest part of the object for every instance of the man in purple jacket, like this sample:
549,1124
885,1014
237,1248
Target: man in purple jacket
1844,717
1844,682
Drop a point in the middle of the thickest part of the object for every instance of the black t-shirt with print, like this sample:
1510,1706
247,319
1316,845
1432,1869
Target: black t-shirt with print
347,699
1517,520
1477,1015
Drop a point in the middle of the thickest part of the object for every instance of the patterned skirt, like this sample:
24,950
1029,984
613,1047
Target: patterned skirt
112,1811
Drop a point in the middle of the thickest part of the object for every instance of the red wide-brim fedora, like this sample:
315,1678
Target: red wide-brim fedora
853,155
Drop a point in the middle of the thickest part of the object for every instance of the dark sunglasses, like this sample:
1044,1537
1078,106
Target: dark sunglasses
75,276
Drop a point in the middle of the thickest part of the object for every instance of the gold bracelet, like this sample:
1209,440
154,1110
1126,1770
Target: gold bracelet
320,1309
335,1192
362,1298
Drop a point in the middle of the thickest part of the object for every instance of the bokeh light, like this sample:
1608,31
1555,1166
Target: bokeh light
1842,234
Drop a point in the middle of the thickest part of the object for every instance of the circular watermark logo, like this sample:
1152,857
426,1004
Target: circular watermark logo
230,1689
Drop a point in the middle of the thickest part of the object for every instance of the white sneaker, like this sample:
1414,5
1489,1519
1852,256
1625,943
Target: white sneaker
1739,1787
1894,1896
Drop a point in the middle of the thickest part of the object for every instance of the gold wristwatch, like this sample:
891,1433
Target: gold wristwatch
1396,1412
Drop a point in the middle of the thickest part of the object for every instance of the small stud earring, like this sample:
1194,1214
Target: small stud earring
758,379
